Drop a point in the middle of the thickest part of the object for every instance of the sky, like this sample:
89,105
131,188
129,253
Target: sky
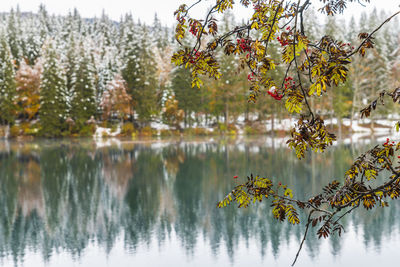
145,9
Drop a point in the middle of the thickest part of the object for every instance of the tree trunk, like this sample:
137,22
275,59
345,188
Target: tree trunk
272,124
372,126
246,113
185,120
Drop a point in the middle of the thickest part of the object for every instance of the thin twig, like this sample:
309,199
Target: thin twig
304,237
372,33
272,26
295,62
187,10
368,192
286,73
309,66
198,41
303,7
344,214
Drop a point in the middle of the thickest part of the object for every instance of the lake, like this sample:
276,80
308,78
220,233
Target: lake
153,203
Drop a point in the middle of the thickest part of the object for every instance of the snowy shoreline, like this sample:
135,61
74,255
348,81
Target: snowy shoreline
349,130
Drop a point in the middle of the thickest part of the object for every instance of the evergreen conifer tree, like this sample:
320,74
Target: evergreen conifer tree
139,73
7,83
160,38
188,98
14,35
53,106
32,43
44,26
70,65
83,105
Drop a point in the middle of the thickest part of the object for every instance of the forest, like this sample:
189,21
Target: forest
68,75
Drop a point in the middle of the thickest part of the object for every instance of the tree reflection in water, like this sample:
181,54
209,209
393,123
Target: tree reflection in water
66,196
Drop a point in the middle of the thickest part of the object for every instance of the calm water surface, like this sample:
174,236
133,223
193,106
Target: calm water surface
78,203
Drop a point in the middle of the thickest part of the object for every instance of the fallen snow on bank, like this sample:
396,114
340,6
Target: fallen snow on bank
356,126
361,133
101,132
159,126
280,125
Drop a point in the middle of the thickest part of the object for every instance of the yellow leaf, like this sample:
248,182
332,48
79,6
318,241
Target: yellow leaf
254,25
288,192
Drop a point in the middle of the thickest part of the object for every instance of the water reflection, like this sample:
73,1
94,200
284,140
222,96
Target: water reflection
68,195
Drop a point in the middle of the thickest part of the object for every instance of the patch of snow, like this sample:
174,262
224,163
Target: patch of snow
356,128
159,126
388,123
101,132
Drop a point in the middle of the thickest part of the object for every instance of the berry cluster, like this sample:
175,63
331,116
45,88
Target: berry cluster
275,95
256,7
388,143
192,59
282,42
193,29
250,76
289,83
347,44
244,45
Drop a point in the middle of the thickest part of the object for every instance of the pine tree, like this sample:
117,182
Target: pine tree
336,106
225,91
32,42
83,105
162,53
139,73
14,35
159,36
7,83
105,30
70,65
105,55
44,27
53,106
189,99
106,72
359,72
374,72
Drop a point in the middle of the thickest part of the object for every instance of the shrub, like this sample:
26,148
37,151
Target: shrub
201,131
114,128
147,131
228,129
32,129
15,131
87,130
165,132
248,130
198,131
127,129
